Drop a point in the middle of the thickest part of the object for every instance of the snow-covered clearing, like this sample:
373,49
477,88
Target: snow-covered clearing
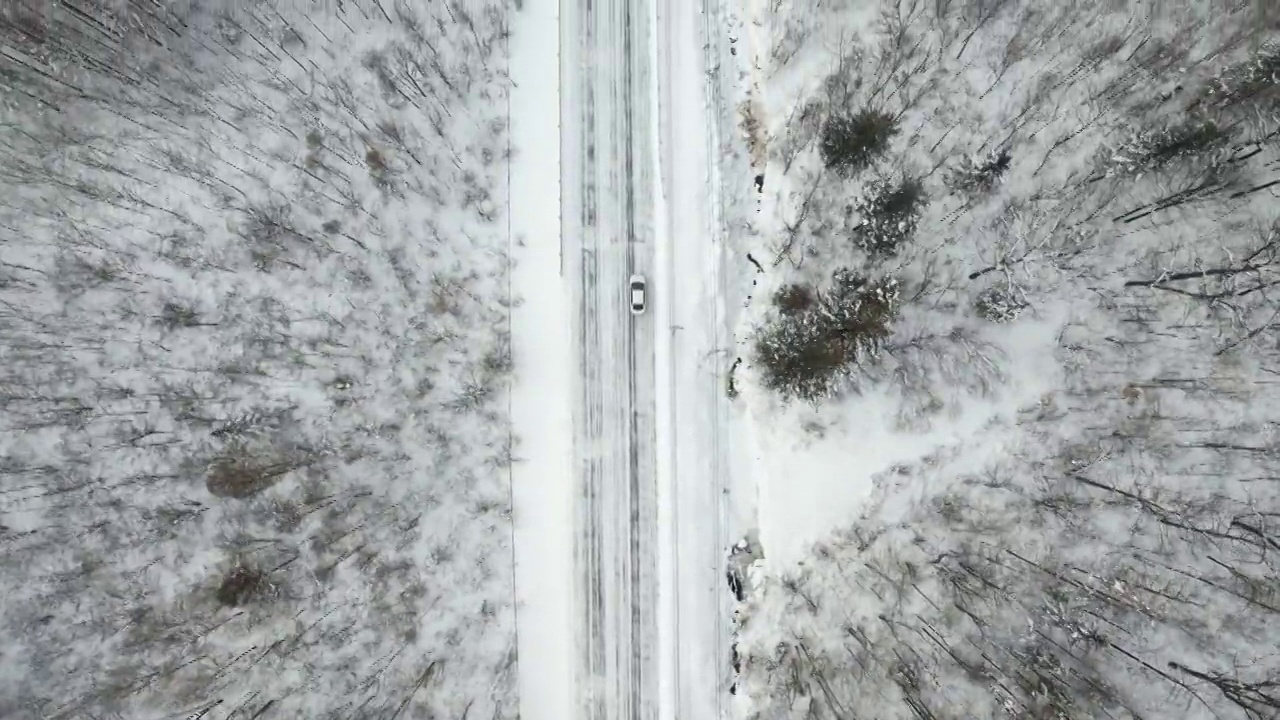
543,481
254,300
1044,482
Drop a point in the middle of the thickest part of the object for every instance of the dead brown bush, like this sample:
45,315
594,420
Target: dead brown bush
237,476
241,585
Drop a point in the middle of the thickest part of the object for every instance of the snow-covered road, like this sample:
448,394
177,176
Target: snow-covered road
640,632
607,207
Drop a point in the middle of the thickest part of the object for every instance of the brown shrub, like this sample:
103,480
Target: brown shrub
241,585
236,476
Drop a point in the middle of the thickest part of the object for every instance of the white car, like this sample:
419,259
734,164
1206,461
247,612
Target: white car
638,294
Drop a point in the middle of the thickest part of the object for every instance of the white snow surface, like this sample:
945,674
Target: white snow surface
693,345
815,468
543,477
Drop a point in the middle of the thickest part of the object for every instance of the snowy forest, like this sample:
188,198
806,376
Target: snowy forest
254,358
1054,225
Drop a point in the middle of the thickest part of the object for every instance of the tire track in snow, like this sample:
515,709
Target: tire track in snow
605,242
579,210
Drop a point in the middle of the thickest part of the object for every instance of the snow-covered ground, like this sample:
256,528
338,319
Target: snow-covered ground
544,481
1048,488
254,306
694,344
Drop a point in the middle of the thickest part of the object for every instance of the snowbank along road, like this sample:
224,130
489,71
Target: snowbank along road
693,349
